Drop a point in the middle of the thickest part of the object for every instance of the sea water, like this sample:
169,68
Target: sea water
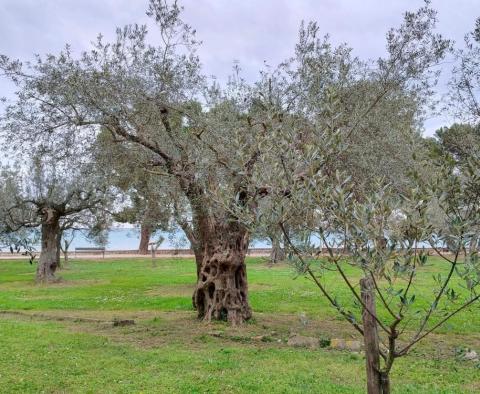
129,239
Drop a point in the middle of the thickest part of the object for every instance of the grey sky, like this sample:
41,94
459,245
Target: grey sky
245,30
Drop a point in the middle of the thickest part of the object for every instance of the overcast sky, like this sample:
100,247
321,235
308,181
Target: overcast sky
248,31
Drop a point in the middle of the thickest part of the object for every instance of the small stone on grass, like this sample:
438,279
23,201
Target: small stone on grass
471,355
301,341
123,323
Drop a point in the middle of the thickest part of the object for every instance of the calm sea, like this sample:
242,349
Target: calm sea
129,238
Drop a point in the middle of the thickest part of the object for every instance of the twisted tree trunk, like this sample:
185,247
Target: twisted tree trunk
145,234
221,292
48,262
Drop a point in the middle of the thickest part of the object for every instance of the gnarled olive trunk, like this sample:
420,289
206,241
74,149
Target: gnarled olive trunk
221,292
145,234
48,262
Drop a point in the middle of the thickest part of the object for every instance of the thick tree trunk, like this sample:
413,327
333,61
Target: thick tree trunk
222,290
48,263
59,249
145,233
278,253
198,252
377,380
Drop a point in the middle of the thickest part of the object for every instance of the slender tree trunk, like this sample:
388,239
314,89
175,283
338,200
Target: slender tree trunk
48,262
195,245
385,382
154,256
65,257
278,253
222,290
145,233
377,380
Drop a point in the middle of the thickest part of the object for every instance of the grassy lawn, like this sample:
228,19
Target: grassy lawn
60,338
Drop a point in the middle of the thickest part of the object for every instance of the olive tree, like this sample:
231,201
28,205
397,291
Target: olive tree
51,195
441,216
149,96
146,198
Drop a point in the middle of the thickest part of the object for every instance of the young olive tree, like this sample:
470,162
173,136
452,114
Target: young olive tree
380,235
387,311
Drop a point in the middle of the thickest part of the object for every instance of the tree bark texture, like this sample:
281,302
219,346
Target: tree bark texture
65,257
377,380
198,252
192,234
59,249
145,234
221,292
48,261
278,253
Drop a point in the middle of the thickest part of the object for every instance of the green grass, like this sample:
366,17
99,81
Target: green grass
168,350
